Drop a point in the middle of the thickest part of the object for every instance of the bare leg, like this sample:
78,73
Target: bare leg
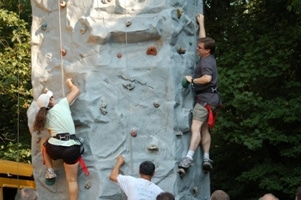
206,142
46,157
206,138
195,134
71,177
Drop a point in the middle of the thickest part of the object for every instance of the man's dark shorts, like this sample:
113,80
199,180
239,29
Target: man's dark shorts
69,155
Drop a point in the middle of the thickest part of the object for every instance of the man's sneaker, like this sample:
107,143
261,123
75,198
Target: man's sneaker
50,174
207,165
185,162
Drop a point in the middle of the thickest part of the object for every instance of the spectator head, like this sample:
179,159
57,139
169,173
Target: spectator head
219,195
268,196
298,193
165,196
26,194
147,168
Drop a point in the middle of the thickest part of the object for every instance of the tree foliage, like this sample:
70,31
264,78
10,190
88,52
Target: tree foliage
255,144
15,84
256,141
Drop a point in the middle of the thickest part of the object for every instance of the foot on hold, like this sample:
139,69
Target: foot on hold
50,177
207,165
185,163
50,174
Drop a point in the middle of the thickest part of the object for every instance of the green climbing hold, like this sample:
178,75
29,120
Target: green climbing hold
185,83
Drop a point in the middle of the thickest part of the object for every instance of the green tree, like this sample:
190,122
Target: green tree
15,84
21,7
256,140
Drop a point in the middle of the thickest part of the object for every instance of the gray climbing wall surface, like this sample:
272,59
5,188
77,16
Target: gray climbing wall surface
128,58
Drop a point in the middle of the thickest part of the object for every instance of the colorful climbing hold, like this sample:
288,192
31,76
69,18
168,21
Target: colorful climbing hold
185,83
179,13
88,185
152,50
44,26
129,86
63,52
181,51
83,30
133,132
128,23
152,147
63,4
156,105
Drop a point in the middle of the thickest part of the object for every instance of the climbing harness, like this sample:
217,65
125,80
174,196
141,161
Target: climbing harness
80,159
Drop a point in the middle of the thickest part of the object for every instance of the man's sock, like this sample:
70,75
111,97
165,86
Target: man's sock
190,154
206,156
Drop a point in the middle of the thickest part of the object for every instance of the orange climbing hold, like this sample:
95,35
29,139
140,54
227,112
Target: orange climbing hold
152,50
63,52
119,55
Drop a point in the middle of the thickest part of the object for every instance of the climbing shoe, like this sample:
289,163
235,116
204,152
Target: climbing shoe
50,174
185,162
207,165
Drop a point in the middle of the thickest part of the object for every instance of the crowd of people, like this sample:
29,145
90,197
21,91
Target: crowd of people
31,194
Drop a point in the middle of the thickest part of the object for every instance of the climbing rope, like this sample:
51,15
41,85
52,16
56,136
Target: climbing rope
18,102
61,49
130,78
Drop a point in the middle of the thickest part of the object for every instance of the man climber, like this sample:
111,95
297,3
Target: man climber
204,82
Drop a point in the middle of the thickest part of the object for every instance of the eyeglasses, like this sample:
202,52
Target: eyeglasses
199,47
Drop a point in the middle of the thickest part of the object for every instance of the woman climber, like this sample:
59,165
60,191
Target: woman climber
62,144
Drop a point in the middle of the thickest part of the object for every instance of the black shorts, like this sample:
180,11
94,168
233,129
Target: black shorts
69,155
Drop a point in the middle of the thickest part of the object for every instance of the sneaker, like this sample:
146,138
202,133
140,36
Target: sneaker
50,174
207,165
185,162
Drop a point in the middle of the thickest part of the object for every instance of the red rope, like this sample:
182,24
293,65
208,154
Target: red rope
211,116
83,165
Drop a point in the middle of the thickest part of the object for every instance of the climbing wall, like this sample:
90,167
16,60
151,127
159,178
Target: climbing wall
128,58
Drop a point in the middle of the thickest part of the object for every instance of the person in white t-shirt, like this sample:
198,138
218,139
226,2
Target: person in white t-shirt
137,188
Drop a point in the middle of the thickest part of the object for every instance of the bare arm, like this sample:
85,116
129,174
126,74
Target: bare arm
74,91
201,80
200,20
115,170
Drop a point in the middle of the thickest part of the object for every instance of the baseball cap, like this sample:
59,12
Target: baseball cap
43,99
